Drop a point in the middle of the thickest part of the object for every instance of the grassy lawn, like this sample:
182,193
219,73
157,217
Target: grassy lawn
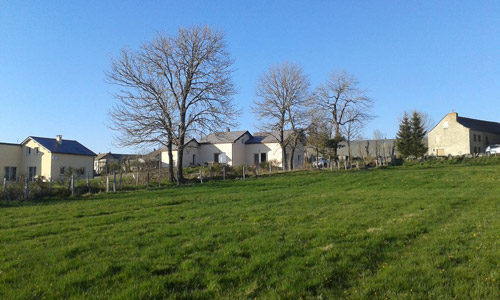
398,233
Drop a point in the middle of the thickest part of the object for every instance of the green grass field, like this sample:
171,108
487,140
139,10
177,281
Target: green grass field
430,232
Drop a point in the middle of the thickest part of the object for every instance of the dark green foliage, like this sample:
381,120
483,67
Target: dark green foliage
418,148
335,144
409,139
404,137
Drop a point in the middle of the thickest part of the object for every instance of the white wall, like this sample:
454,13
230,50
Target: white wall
239,150
274,153
187,156
207,152
237,153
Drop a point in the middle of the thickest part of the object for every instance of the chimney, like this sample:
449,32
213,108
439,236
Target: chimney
59,138
228,129
453,114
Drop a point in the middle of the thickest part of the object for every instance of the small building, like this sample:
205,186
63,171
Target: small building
234,148
45,158
455,135
105,162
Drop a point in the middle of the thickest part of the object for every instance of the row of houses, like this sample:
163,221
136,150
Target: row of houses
235,148
55,158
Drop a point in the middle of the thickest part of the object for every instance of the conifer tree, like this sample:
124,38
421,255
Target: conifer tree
418,148
404,137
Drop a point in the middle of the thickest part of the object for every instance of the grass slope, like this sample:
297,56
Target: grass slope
397,233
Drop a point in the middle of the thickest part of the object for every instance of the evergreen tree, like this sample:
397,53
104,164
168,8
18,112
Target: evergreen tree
404,137
418,148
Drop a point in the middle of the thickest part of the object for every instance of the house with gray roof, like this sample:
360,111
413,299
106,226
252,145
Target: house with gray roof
456,135
104,162
45,158
234,148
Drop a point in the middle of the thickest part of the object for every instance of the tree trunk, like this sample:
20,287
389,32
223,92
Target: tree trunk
283,157
292,153
170,161
180,152
180,176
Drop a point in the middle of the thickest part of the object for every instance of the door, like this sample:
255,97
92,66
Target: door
256,158
194,159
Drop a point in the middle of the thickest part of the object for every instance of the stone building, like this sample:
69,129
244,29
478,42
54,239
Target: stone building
455,135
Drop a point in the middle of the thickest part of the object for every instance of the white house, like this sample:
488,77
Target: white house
234,148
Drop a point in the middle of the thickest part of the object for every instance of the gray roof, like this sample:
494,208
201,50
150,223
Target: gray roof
10,144
64,147
222,137
116,156
267,137
479,125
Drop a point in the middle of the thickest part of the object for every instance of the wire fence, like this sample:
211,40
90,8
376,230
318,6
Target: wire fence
73,186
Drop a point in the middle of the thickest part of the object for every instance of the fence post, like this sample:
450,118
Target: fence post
210,172
50,186
88,183
72,185
120,180
159,171
201,175
257,170
5,188
270,168
243,172
137,179
224,172
107,183
26,189
114,181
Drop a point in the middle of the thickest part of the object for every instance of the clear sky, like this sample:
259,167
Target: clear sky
433,56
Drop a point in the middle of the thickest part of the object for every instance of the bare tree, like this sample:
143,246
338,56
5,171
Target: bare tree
344,101
282,94
193,71
317,133
144,113
352,131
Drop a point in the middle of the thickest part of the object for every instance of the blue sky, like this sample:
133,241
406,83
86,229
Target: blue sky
433,56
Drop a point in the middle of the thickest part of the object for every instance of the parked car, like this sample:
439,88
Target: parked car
493,149
320,163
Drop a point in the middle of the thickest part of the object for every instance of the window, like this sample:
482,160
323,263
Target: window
256,158
61,170
479,149
31,173
10,173
36,150
475,149
29,150
479,138
263,157
474,138
487,142
216,157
